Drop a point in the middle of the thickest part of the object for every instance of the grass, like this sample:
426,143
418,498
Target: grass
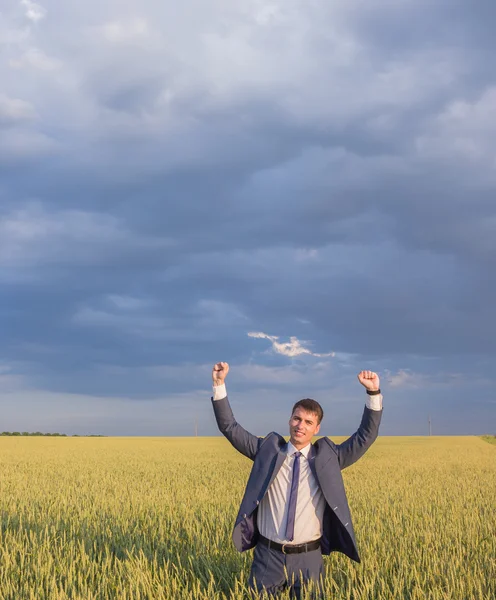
489,438
151,518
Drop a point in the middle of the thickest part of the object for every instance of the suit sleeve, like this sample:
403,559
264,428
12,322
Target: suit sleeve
244,441
355,446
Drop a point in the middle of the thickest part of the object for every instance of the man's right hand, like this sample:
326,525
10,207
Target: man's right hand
219,373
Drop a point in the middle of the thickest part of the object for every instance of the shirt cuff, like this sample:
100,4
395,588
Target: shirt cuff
219,391
374,402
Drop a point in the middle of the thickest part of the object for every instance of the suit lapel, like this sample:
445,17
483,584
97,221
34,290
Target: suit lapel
321,459
311,461
280,457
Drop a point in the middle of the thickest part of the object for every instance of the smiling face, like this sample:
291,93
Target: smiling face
303,425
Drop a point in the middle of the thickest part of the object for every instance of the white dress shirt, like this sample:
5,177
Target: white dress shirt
273,510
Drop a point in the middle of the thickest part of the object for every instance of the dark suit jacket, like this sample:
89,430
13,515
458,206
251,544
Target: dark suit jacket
326,459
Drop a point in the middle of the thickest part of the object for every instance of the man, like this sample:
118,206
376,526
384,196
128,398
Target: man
294,508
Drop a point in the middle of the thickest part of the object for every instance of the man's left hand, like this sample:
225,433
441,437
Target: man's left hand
369,380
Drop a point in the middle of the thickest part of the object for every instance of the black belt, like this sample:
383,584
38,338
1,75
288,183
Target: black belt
290,548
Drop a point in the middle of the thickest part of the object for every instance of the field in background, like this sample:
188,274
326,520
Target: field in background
136,518
489,438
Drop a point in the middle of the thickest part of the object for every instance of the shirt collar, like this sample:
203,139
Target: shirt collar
291,450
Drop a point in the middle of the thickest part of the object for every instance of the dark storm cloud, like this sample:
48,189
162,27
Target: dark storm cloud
171,182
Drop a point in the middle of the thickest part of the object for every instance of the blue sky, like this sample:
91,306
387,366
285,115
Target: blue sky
174,177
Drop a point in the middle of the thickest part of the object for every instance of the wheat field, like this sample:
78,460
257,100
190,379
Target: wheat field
151,518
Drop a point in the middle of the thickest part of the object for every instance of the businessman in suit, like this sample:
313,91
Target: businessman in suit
294,508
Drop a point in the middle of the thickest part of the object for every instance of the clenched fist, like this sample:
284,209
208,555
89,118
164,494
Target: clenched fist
219,373
369,380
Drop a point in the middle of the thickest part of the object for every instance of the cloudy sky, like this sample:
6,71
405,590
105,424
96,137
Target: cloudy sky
302,189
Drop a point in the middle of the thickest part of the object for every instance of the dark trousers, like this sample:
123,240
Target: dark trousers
273,571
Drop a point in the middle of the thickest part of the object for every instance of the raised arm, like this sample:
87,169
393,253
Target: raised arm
355,446
244,441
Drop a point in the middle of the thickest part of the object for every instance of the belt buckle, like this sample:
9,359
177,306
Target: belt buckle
282,549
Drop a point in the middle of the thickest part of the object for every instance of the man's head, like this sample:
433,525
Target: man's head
304,422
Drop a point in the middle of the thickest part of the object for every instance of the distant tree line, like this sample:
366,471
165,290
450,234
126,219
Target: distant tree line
39,433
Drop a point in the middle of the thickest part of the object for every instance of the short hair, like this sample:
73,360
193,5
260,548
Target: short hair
312,406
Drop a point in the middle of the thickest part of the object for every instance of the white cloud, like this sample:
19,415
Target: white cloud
464,129
124,31
408,379
33,11
36,59
403,378
292,348
14,109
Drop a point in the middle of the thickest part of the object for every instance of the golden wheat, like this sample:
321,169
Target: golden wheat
151,518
